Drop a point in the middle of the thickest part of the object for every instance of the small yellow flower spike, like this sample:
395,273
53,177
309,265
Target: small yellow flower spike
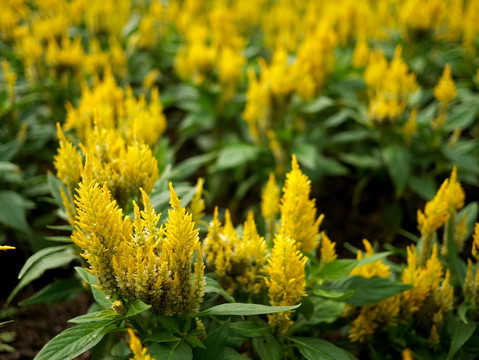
407,354
286,282
139,352
68,162
298,212
328,252
361,53
475,242
6,247
10,78
197,204
445,90
270,199
376,268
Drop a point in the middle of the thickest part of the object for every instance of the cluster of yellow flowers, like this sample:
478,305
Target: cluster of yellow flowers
136,259
390,86
245,263
427,303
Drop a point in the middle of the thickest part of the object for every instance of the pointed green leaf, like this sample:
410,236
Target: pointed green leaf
318,349
212,286
244,309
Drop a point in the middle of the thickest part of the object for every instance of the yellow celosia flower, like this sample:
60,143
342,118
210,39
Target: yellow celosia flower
407,354
376,268
328,252
257,109
68,162
230,69
139,352
6,247
286,279
237,260
100,228
445,90
372,318
475,242
10,78
197,204
298,212
361,53
390,85
270,199
150,78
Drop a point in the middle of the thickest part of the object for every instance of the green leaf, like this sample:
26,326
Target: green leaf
55,185
86,275
339,269
236,155
461,117
189,166
74,341
232,354
465,161
325,311
214,343
97,316
38,263
6,166
178,350
369,291
194,341
244,309
13,210
318,349
361,161
457,266
267,347
58,291
137,307
471,210
334,294
161,336
99,296
422,187
397,160
249,328
306,153
460,333
462,311
169,323
317,105
212,286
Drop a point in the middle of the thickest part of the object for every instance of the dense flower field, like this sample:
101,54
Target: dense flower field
172,157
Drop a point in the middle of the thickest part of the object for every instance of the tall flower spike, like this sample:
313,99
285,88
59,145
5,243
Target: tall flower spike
270,199
139,352
445,90
180,245
328,252
298,212
197,204
99,230
68,162
475,242
286,279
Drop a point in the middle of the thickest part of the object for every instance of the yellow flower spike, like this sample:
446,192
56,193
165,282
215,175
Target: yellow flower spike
180,244
6,247
150,78
298,212
361,53
376,268
328,252
407,354
68,162
445,90
212,244
475,242
99,230
455,192
270,199
10,78
286,279
140,167
139,352
197,204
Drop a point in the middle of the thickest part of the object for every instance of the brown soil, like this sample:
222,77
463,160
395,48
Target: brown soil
35,325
